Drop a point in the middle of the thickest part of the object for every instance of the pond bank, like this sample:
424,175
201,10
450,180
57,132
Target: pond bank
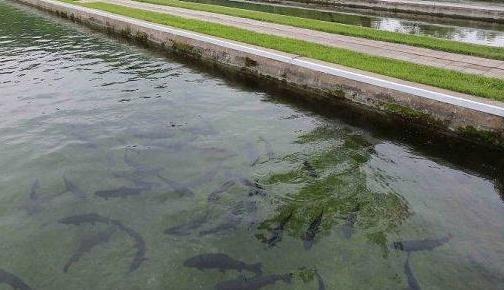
481,120
478,11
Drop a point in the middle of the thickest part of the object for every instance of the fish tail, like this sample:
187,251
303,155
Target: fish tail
256,268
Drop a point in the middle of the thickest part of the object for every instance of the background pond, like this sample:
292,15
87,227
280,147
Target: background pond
120,164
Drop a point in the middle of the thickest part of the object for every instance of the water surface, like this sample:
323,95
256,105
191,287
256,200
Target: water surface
167,161
459,30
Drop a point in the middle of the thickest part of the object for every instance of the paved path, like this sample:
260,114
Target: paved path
452,61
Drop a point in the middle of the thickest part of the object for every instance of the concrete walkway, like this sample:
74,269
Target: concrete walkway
452,61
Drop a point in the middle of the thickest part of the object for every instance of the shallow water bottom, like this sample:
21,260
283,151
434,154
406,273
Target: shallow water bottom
120,165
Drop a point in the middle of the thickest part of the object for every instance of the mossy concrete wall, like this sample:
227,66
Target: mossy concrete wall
477,119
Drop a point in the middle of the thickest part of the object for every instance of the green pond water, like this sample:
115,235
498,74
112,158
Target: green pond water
143,161
468,31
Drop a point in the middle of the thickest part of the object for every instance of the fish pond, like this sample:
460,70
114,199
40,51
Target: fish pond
477,32
127,168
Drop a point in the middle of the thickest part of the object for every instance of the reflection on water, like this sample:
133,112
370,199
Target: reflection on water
124,169
459,30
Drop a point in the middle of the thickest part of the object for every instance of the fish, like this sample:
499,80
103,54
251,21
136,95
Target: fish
93,218
224,227
255,188
221,262
268,148
412,281
119,192
252,154
177,187
13,281
34,189
253,283
310,169
184,229
347,228
277,232
216,194
140,255
309,236
86,244
321,284
90,218
140,170
421,245
73,188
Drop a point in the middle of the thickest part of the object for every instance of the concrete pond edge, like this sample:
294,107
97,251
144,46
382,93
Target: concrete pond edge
476,119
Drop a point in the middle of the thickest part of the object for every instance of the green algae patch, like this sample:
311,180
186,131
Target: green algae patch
343,29
482,136
491,88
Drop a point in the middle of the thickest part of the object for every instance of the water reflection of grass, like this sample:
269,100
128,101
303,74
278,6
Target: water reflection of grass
340,190
344,29
443,78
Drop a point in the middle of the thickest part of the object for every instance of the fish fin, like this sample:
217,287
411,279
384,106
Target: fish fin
257,268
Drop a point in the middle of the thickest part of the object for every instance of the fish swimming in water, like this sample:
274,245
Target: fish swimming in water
412,281
311,232
140,255
268,148
119,192
13,281
93,218
221,262
321,284
310,169
33,205
73,188
254,186
421,245
253,283
348,226
216,194
86,244
186,228
177,187
276,233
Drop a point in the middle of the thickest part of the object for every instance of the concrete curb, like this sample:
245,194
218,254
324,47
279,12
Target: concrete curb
446,110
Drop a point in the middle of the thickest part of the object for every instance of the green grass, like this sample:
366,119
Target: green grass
456,81
344,29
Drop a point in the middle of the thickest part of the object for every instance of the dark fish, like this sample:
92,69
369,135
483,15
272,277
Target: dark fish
224,227
268,148
71,187
311,232
277,232
86,244
93,218
13,281
139,245
252,154
254,283
119,192
141,170
185,229
421,245
221,262
34,189
216,194
255,188
177,187
412,281
310,169
321,284
347,228
90,218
